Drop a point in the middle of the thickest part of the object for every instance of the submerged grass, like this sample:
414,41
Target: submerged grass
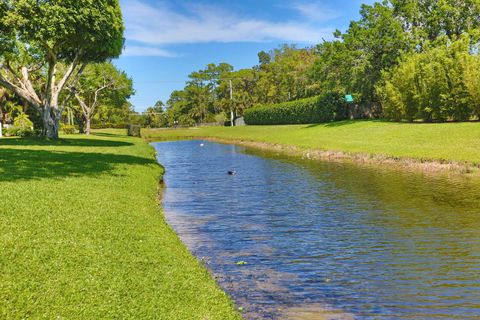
82,236
436,142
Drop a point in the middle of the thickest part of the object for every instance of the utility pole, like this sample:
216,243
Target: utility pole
231,106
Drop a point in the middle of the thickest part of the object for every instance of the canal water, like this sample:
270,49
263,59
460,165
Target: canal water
297,239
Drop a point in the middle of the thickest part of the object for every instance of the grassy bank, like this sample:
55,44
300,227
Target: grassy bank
436,142
82,236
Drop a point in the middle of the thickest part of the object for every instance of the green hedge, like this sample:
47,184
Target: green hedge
134,130
109,126
325,108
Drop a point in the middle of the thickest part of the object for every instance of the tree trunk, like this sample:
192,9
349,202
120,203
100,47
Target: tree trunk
81,125
88,125
51,122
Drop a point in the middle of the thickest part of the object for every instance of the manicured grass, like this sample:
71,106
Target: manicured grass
82,236
446,141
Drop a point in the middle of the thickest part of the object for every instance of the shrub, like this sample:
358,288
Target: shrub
69,129
134,130
438,84
109,126
10,132
324,108
220,118
22,127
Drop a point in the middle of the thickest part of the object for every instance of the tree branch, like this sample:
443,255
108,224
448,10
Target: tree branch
68,73
83,105
21,92
12,71
71,87
28,84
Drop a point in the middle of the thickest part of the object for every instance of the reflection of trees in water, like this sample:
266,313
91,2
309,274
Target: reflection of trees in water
318,233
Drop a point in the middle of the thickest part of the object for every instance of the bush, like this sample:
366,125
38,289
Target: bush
220,118
325,108
436,85
69,129
22,127
10,132
109,126
134,130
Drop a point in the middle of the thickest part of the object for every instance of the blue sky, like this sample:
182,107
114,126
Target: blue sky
168,39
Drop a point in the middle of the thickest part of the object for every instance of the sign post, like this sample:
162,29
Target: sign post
350,101
1,133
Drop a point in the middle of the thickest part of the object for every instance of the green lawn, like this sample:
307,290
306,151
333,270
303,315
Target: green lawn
82,236
446,141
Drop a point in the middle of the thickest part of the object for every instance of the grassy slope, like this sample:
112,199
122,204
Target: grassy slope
82,236
448,141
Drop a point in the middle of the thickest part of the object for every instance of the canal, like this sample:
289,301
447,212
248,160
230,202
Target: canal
298,239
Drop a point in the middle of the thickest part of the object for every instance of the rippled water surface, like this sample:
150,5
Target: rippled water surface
288,238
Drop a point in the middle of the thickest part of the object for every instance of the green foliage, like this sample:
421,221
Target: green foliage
22,126
10,132
220,118
109,125
59,29
471,79
280,77
134,130
156,117
320,109
100,87
426,20
199,99
115,115
51,41
354,64
438,84
68,129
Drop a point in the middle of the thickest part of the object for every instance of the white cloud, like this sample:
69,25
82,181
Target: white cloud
316,11
160,24
136,51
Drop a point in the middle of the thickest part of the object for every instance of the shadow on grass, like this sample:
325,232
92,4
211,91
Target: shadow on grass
63,142
341,123
17,164
105,134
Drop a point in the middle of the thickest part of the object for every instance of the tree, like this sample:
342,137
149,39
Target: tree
426,20
100,83
3,105
156,116
244,91
283,76
441,83
264,58
354,63
38,36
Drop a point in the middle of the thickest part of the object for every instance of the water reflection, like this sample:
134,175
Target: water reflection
319,236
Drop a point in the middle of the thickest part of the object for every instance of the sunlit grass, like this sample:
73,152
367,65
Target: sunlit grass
82,236
445,141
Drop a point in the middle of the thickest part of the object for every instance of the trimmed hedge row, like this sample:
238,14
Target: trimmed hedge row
109,125
324,108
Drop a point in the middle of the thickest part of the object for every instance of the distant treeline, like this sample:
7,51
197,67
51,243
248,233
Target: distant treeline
414,60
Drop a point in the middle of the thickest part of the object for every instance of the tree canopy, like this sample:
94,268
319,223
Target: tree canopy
40,37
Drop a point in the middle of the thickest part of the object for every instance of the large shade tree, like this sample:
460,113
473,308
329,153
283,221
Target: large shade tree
100,84
44,44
